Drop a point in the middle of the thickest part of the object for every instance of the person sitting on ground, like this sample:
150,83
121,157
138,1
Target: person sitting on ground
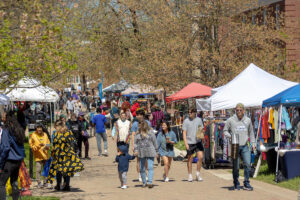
123,159
40,145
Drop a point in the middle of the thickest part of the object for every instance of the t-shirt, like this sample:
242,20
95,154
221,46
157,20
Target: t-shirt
99,120
135,126
191,127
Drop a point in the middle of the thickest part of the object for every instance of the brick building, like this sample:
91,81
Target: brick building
290,10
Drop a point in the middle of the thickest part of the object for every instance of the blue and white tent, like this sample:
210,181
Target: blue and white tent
290,96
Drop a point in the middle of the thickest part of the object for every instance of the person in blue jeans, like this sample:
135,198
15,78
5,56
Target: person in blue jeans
145,147
241,125
99,120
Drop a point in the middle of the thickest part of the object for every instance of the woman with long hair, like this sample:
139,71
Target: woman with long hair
65,161
12,153
165,141
145,147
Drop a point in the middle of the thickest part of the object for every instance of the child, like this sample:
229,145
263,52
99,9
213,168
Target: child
123,159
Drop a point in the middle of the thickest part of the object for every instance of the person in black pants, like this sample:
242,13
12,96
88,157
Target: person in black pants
74,126
84,126
12,153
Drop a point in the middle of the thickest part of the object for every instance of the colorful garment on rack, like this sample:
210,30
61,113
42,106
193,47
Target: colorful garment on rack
271,118
265,125
286,118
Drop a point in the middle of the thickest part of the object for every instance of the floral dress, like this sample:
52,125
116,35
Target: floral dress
65,160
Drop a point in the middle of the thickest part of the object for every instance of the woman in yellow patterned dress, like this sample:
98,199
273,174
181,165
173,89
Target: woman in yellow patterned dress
65,161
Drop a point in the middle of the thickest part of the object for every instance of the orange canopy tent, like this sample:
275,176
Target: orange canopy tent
190,91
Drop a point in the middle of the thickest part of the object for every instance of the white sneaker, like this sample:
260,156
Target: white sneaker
190,179
198,178
105,153
166,179
140,178
124,187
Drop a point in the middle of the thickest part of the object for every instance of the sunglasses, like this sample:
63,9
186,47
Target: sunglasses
238,110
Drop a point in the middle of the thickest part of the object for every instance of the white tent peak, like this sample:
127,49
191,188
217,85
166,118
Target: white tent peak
250,87
28,89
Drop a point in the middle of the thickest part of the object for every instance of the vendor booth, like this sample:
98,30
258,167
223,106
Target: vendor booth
141,89
116,87
287,131
31,90
192,90
250,87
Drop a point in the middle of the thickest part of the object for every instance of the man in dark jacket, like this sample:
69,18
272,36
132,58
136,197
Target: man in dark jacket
11,156
123,159
74,125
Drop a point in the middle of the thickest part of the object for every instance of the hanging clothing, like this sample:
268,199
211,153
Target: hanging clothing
265,125
271,118
286,118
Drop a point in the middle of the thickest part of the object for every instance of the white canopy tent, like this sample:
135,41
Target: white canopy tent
250,87
30,90
140,89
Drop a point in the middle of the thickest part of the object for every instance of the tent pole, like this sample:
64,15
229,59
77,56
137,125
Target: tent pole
260,156
50,119
278,146
258,130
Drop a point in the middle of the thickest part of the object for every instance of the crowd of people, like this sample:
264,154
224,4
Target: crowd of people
143,129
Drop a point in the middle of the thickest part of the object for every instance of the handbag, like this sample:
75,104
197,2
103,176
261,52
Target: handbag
200,133
85,134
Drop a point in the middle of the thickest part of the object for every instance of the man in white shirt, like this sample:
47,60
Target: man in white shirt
121,130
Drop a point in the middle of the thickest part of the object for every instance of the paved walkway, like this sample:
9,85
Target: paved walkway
100,180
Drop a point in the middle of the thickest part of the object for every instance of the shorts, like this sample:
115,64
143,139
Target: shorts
195,148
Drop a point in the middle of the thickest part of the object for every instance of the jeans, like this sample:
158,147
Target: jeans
150,161
104,137
244,151
11,169
123,178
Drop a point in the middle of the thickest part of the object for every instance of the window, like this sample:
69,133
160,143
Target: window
77,79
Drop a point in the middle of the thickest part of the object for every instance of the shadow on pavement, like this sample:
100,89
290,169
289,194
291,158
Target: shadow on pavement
164,181
231,188
140,186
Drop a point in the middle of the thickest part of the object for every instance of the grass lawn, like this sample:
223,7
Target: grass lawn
269,177
26,160
266,176
180,145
